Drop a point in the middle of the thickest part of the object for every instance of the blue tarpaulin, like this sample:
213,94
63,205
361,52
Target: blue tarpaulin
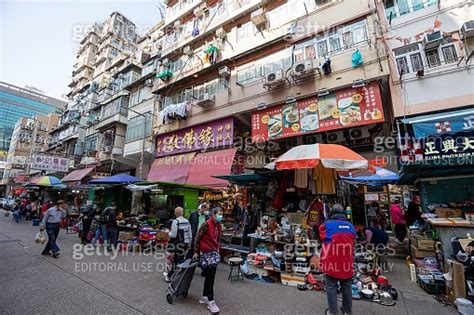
116,179
381,177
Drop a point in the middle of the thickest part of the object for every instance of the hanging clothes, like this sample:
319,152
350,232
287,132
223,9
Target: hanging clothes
357,59
312,184
195,32
325,179
316,213
326,67
301,178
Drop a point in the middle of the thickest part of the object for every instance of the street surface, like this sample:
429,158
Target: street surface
31,283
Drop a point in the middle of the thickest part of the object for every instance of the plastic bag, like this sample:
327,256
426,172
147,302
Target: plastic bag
357,59
40,238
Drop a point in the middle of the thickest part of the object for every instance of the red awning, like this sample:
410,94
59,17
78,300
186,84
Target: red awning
173,169
77,175
209,164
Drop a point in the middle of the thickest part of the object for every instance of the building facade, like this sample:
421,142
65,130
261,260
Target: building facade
17,102
282,73
30,136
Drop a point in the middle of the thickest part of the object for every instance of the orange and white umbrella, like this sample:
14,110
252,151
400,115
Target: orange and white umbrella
330,155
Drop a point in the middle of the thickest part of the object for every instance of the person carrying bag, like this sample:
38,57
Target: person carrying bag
207,250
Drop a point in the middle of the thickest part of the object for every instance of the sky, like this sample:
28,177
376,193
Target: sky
39,38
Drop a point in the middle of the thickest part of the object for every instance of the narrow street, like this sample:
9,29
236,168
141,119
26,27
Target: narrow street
38,284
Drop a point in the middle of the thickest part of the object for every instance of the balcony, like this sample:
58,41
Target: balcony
175,14
234,10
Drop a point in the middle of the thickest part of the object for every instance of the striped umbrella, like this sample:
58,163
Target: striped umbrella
330,155
46,181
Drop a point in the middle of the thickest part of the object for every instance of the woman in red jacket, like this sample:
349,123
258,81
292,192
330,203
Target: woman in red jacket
207,245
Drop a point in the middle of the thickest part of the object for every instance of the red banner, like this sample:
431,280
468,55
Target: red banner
346,108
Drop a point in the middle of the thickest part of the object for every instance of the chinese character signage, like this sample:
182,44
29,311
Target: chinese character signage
212,135
49,163
458,145
341,109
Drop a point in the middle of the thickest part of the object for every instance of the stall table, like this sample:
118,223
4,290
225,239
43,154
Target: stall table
448,228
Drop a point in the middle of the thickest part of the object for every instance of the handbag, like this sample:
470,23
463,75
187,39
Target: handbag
210,260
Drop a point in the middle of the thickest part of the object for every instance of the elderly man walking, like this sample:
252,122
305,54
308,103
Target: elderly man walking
51,222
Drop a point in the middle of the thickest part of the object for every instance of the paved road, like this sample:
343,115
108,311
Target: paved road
71,284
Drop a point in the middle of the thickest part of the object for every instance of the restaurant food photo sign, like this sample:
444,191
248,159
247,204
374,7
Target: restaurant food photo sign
345,108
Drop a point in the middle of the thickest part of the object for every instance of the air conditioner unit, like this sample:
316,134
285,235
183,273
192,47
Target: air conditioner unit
187,50
359,133
177,24
220,33
224,71
107,149
432,40
205,100
467,29
312,139
275,78
335,137
149,82
258,17
304,67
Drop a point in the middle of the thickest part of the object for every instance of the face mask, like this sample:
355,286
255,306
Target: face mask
219,218
206,212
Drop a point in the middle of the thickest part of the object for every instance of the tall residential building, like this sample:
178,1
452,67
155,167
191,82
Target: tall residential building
17,102
102,53
30,136
271,74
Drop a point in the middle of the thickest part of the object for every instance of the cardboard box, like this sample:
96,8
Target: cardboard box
292,279
423,243
126,236
420,254
455,287
162,235
448,213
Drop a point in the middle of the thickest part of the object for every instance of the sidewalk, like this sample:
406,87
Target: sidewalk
39,284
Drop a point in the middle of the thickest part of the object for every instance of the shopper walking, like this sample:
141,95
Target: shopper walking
197,219
398,219
180,241
412,214
337,258
111,224
51,222
87,217
102,228
207,249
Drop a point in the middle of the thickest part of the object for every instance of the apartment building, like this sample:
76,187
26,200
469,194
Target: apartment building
272,73
30,136
96,100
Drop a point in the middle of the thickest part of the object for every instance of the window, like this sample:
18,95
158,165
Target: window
449,53
416,61
245,31
90,143
433,58
136,125
402,65
409,58
394,8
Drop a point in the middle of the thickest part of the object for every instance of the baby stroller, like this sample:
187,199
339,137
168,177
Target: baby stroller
181,280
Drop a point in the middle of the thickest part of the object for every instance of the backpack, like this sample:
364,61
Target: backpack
178,240
104,217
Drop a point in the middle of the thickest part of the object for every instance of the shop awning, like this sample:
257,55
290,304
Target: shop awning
119,179
410,173
77,175
172,169
207,165
447,122
381,177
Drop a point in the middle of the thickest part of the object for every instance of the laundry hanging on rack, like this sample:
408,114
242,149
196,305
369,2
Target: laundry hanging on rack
175,112
357,59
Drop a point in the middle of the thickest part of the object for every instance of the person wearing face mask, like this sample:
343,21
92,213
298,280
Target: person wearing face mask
51,223
206,248
197,219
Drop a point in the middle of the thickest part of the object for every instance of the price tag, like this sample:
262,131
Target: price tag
265,119
313,107
295,127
